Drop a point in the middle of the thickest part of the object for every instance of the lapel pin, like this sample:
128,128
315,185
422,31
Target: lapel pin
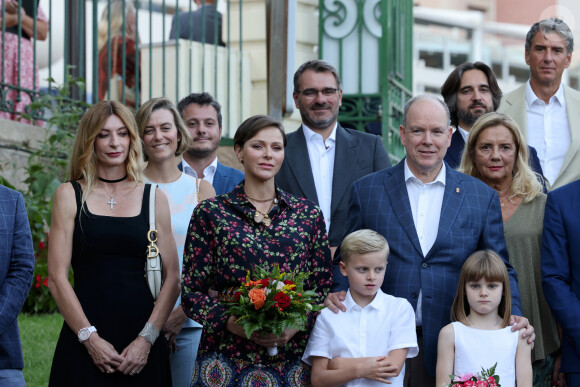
457,190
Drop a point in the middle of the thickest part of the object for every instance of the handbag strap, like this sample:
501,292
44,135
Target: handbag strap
152,206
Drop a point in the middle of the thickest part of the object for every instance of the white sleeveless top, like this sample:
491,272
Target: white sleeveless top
182,197
479,348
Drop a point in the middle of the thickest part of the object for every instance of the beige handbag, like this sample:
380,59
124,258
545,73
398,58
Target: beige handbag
154,263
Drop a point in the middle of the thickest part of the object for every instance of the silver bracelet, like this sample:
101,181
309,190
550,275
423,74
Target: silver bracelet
149,333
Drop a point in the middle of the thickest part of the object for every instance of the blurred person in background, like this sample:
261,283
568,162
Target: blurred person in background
191,24
122,43
17,58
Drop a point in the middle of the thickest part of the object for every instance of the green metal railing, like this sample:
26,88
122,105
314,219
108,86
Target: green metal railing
370,43
170,63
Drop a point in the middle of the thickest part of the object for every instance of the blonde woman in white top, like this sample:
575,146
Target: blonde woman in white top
164,138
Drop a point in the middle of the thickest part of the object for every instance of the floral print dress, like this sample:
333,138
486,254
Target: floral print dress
223,242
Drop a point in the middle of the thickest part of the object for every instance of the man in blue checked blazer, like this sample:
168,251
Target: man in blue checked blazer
433,218
16,269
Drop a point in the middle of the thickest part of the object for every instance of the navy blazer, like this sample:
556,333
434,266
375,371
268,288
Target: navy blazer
470,220
357,154
561,268
16,271
225,178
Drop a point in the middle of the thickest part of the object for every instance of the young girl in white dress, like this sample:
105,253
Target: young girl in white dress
480,335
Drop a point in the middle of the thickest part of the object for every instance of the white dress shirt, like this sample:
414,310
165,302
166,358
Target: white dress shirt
464,133
321,155
386,324
208,172
548,130
426,201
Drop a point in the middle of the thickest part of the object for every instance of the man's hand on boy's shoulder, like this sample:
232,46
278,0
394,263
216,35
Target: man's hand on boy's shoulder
334,301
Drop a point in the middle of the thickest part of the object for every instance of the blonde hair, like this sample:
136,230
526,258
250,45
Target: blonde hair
83,161
144,115
117,12
488,265
525,181
363,242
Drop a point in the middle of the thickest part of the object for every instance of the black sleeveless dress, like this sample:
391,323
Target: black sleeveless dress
108,261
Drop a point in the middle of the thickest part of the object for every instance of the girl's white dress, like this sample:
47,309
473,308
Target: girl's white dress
479,348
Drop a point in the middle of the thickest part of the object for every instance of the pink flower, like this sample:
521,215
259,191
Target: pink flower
469,383
463,378
481,383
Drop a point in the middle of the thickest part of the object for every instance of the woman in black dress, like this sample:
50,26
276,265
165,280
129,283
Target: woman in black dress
100,221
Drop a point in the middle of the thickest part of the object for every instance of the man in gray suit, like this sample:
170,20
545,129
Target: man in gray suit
16,270
547,112
192,25
323,159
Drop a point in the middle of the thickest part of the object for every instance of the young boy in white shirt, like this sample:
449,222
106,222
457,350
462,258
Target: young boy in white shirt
367,345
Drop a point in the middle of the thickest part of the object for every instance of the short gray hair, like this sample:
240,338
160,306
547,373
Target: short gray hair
423,97
547,26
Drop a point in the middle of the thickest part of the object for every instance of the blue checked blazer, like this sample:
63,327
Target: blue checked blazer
470,220
561,268
16,269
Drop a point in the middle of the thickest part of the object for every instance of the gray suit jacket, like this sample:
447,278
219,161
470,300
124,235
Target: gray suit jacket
16,269
514,105
191,23
357,154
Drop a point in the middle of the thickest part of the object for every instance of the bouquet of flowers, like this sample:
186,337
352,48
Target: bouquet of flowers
486,378
271,301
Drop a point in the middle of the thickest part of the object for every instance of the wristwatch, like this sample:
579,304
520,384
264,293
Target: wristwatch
85,333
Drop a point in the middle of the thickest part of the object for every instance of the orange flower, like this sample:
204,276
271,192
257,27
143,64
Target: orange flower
257,297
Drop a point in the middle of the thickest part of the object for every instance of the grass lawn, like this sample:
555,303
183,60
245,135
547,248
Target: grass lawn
39,333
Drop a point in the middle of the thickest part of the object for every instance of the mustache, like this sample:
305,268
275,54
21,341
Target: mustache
478,104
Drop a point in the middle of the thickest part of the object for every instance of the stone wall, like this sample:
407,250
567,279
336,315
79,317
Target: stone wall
15,138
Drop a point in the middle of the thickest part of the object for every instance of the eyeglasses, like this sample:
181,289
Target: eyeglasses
311,93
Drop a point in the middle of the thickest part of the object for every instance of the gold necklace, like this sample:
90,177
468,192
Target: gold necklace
260,200
260,217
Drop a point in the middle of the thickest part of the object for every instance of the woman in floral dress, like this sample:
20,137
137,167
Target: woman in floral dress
255,224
